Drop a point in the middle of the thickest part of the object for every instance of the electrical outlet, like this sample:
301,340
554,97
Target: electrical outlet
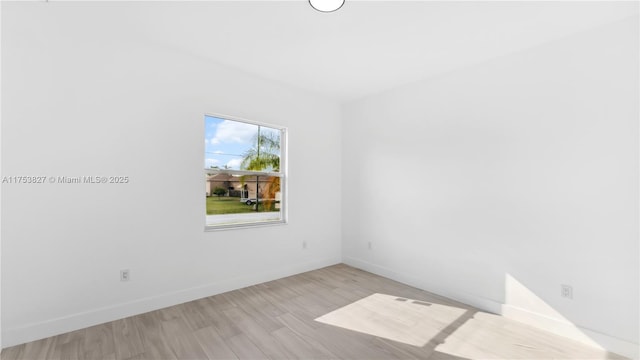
125,275
304,245
566,291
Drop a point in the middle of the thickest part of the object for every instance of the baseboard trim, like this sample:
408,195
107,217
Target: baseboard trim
574,332
481,303
35,331
558,327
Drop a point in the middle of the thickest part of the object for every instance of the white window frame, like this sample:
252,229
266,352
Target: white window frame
282,174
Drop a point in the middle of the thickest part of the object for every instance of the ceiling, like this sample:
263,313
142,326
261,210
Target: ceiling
366,47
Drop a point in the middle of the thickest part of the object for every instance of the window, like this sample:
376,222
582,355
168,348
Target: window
244,170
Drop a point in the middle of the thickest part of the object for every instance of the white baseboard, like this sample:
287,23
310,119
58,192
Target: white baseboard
61,325
559,327
481,303
572,331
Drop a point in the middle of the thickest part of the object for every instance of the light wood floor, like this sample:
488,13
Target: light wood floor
276,320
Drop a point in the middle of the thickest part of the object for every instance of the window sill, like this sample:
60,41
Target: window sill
250,225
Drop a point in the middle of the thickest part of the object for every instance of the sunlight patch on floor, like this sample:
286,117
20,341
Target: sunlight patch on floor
524,305
408,321
489,336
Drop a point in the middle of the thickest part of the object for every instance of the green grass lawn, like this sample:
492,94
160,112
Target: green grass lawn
231,205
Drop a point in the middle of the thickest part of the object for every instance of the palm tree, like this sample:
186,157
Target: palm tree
264,155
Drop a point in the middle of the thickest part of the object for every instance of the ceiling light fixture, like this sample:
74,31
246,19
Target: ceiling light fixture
326,5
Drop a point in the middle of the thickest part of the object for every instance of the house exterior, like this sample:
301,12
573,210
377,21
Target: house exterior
236,186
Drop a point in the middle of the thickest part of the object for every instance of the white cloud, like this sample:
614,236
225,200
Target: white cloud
206,141
234,163
218,152
234,132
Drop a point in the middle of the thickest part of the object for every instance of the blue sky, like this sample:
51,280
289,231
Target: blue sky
226,141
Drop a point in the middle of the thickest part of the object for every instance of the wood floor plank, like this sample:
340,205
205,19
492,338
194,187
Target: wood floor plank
259,335
197,315
223,324
301,348
187,347
303,329
277,320
343,343
128,341
149,326
159,349
71,336
141,356
13,352
98,342
48,348
174,328
244,348
257,302
254,305
213,344
72,350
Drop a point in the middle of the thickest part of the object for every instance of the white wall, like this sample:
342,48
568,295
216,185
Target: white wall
514,176
0,184
522,168
82,97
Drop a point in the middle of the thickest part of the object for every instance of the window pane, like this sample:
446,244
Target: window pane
241,146
243,199
235,152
